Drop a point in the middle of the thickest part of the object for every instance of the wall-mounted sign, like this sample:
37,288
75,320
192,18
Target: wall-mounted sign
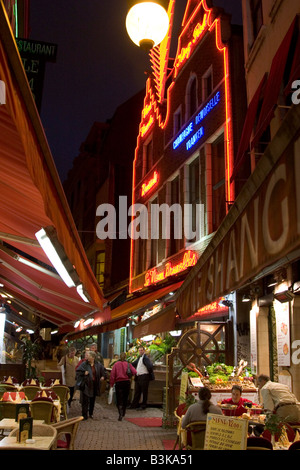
154,276
192,132
2,93
189,41
34,55
283,333
146,187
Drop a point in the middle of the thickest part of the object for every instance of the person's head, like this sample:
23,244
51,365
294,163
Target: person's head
236,393
123,356
204,393
93,347
205,396
91,357
72,352
141,350
262,380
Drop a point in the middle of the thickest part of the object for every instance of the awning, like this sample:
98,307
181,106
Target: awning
273,85
208,312
158,323
98,329
32,197
138,303
248,128
295,69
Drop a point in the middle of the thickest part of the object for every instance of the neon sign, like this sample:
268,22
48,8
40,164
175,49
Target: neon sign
146,187
186,52
145,128
198,119
153,276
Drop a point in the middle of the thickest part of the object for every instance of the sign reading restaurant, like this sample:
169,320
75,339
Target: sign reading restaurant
262,227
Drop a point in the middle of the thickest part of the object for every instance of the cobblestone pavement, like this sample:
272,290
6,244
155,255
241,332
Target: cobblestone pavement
105,432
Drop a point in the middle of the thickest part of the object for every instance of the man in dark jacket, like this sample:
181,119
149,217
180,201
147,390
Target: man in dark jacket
89,374
144,373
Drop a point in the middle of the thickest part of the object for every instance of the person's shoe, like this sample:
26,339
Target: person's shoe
91,416
120,418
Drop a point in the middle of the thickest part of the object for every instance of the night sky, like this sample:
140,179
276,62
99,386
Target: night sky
97,67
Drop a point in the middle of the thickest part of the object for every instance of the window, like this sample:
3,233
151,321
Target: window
100,267
207,84
194,196
148,156
218,182
177,121
142,255
154,242
257,16
174,243
191,97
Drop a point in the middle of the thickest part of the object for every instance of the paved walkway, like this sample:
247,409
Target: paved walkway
105,432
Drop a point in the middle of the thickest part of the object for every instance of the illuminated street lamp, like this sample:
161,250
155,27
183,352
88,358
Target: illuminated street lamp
147,22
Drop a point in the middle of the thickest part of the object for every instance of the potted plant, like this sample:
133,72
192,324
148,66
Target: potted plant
274,425
30,353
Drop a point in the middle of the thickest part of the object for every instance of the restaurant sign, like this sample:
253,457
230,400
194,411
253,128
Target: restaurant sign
265,228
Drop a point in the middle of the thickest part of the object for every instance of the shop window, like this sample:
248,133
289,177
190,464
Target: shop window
100,267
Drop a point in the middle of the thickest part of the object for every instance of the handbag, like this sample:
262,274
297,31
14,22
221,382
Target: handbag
128,372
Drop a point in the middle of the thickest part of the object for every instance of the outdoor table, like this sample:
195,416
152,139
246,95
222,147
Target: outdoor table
40,443
7,424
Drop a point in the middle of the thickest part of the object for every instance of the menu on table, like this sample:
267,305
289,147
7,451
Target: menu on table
225,433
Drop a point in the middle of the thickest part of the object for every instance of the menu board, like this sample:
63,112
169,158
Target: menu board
225,433
283,333
183,386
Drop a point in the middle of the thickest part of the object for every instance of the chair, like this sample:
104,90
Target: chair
6,388
63,393
39,430
258,443
42,410
8,409
197,432
67,428
295,446
31,391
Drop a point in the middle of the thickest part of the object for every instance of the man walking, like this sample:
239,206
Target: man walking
144,373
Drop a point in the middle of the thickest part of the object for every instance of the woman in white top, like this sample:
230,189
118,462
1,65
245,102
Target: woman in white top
199,410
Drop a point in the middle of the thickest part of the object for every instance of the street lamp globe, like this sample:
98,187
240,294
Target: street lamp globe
147,23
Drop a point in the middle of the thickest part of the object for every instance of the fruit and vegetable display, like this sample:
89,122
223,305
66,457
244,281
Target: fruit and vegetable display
221,376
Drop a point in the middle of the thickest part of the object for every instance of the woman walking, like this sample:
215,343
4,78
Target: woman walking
89,375
120,378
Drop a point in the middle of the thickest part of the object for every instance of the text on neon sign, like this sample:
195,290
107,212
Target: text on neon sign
198,119
185,52
146,187
153,276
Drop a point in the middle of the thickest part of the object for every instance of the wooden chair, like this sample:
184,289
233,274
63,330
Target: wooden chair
62,391
68,429
258,443
42,410
31,391
7,410
197,432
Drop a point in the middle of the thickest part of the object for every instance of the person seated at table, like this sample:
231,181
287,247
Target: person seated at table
199,410
236,399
